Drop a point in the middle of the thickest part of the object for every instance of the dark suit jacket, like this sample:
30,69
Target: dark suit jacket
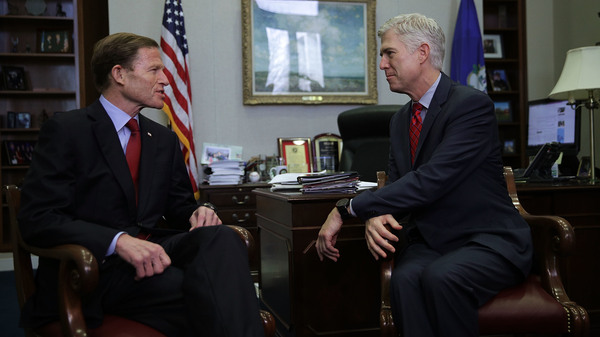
79,188
455,192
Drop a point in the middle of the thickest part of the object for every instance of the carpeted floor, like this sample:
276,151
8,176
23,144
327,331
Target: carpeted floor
9,308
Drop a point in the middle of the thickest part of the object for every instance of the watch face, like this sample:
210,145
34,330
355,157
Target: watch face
342,203
342,207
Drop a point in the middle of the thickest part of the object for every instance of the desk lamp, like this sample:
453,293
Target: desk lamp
580,81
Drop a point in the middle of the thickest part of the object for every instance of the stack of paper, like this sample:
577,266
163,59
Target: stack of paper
286,182
337,182
226,172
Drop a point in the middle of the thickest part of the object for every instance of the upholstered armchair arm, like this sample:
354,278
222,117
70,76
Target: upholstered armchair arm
246,237
553,238
78,275
386,322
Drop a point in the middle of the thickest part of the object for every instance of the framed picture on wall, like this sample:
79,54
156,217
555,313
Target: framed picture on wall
296,154
492,46
309,52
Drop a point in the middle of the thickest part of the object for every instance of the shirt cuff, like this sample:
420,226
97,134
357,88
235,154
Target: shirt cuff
113,244
350,209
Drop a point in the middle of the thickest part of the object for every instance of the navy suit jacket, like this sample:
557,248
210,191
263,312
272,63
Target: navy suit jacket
455,192
79,189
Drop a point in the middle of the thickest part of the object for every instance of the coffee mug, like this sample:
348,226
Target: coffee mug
277,170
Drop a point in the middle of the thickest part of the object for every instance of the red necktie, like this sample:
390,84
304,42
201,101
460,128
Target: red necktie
415,129
133,151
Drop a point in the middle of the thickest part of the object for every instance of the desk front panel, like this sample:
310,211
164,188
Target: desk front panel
309,297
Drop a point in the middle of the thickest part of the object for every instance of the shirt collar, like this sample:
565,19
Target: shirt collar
117,116
426,99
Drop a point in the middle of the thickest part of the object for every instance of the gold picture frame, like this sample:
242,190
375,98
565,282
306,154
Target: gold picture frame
309,52
296,153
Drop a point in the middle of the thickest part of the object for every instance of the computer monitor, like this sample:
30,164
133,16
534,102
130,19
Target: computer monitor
553,121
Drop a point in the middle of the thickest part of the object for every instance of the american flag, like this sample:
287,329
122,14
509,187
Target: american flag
178,100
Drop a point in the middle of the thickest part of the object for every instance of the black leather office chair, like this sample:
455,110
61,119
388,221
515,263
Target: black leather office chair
365,132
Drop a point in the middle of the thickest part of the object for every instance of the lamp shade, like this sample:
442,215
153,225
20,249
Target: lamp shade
580,74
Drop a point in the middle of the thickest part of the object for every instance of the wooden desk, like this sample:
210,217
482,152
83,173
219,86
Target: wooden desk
309,297
580,205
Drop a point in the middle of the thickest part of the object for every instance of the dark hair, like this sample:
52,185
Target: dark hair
116,49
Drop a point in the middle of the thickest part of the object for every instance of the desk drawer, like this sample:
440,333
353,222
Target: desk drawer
238,217
222,199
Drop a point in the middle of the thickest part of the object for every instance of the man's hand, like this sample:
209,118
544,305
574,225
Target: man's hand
146,257
378,236
204,216
328,236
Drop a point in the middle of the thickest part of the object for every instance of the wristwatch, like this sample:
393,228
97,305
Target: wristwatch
342,207
209,205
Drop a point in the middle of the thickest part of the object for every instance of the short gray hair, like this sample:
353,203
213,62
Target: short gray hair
416,29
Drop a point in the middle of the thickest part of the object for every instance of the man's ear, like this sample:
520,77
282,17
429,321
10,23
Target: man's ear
118,74
423,51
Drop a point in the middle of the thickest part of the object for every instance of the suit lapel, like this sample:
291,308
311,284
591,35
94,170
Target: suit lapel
405,116
108,141
146,162
434,109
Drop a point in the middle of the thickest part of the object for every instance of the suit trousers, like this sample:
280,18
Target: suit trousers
438,295
207,290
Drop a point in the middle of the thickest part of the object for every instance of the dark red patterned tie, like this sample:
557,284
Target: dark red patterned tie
415,129
133,151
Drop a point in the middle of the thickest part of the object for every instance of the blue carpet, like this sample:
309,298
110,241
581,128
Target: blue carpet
9,306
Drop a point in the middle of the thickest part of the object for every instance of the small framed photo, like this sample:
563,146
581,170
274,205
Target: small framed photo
18,152
14,78
296,154
509,147
23,120
499,80
492,46
327,152
11,119
219,152
55,41
584,167
503,111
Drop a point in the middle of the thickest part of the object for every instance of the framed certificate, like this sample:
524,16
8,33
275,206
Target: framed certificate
296,153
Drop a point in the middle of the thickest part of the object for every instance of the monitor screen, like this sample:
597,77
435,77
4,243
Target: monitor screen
552,121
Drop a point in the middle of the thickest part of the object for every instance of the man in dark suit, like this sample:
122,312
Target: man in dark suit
466,241
191,278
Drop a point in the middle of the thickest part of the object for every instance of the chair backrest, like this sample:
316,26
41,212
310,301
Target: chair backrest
21,257
365,135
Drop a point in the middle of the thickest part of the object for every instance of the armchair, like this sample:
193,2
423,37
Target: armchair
539,305
78,275
365,132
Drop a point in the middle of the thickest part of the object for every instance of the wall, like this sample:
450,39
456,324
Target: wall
214,35
214,32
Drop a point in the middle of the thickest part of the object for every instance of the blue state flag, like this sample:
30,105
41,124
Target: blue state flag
467,63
